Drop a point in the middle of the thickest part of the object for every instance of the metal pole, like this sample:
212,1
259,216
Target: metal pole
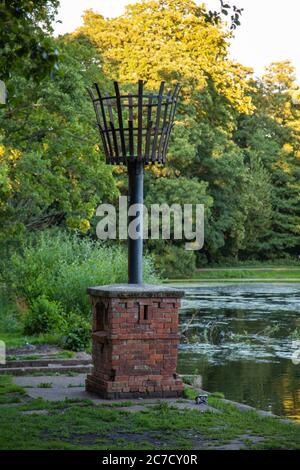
135,246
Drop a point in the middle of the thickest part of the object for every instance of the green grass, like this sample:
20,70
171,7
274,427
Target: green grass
79,424
44,385
190,393
252,263
9,392
18,339
251,274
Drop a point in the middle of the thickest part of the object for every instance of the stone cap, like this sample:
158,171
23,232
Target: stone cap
135,290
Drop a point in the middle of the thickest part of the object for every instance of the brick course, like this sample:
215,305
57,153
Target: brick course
135,341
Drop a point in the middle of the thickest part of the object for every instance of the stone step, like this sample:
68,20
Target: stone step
51,368
44,363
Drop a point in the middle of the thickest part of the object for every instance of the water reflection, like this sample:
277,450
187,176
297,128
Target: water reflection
243,340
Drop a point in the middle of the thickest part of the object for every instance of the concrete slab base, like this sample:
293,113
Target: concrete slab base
60,388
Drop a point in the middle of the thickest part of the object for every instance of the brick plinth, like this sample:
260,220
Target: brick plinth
135,341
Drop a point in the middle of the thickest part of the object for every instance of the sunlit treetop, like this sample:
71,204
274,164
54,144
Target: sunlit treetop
279,95
280,76
169,40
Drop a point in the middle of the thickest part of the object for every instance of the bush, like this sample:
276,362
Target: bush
176,262
8,315
44,316
78,334
61,266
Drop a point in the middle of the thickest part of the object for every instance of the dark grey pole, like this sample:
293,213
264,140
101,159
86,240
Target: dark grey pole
136,196
135,130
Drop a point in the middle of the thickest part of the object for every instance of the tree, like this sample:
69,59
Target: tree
25,42
51,169
272,134
170,255
174,41
235,146
168,40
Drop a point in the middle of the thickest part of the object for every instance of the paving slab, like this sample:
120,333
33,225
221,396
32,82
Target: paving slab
50,368
60,388
191,405
57,381
48,362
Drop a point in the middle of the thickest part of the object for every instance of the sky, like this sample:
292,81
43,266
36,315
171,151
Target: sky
269,31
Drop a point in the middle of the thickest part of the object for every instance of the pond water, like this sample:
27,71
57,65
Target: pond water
244,340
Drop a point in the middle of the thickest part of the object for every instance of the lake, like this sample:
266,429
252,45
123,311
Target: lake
244,340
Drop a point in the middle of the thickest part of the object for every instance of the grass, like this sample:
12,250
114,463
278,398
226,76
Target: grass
44,385
79,424
11,330
190,393
18,339
275,274
252,263
9,392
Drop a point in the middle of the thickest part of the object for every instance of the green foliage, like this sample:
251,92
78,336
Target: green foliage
62,266
50,275
77,336
9,392
44,316
272,135
44,385
217,395
24,34
235,147
51,171
8,316
163,39
190,393
175,261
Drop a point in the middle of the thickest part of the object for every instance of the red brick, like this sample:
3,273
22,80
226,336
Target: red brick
136,356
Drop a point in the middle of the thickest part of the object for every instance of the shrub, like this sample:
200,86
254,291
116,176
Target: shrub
8,314
77,335
190,393
44,316
176,262
61,266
